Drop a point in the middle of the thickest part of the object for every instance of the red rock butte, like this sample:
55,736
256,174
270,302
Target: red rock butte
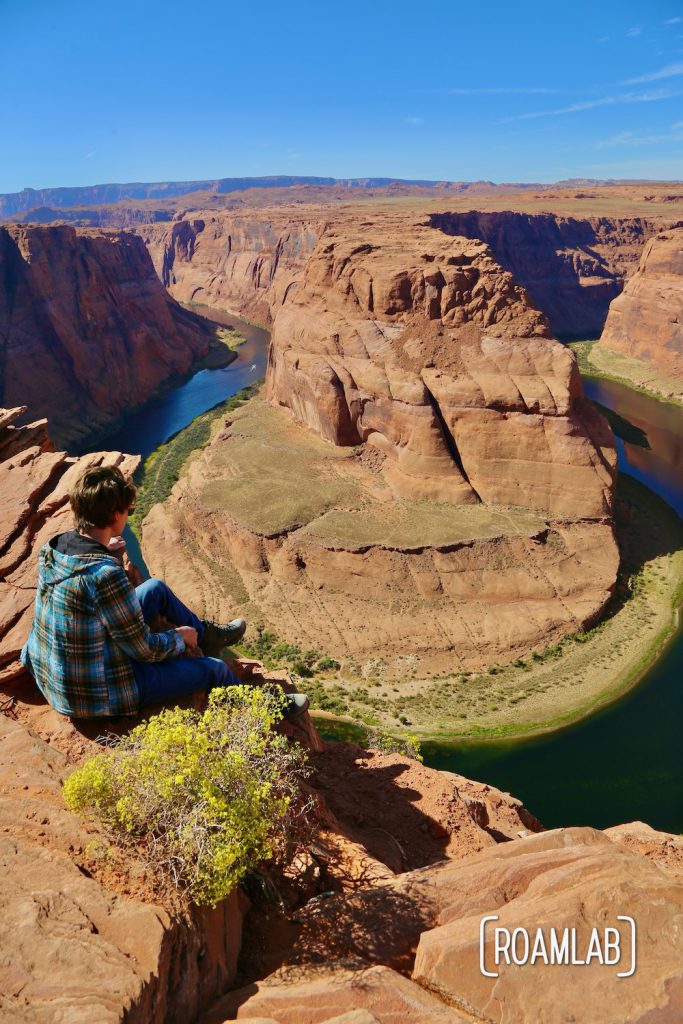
424,364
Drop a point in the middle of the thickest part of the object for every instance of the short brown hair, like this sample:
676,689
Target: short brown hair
99,494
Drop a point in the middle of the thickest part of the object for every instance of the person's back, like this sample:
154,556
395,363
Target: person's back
88,624
91,650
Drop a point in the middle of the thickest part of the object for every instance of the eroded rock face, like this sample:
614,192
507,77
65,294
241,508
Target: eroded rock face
87,330
646,320
34,506
571,267
418,354
244,264
569,878
338,562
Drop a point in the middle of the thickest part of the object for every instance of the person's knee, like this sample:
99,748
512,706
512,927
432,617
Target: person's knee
220,673
151,587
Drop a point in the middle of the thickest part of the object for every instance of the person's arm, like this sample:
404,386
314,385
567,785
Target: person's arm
117,548
120,611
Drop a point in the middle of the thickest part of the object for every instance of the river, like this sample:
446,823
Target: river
163,417
622,763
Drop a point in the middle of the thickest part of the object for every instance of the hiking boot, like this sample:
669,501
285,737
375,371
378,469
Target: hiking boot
295,705
216,636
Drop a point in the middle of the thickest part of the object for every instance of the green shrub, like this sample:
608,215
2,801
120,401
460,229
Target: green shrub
379,739
327,665
203,797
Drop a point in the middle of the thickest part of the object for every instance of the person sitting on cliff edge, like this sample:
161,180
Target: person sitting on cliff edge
91,650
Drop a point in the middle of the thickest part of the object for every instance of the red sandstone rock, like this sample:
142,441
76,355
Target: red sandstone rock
74,948
571,266
467,599
321,995
646,320
573,878
241,263
420,349
89,332
438,359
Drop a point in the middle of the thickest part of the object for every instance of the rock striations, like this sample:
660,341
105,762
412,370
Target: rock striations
241,263
433,354
430,954
86,330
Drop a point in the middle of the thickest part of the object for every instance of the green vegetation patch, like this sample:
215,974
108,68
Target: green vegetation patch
161,469
202,797
414,524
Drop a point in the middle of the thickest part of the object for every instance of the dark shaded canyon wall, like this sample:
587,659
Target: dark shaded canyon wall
87,332
572,268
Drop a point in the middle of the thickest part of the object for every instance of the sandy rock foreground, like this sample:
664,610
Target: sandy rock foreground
574,878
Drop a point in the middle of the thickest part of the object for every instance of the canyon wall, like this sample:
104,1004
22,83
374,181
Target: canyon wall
86,330
646,321
245,264
571,267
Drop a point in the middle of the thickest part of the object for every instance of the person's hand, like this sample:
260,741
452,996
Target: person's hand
189,635
116,545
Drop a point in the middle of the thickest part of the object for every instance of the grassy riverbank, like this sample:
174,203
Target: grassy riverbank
597,361
557,685
161,469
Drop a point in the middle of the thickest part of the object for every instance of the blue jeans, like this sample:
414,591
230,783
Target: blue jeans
160,681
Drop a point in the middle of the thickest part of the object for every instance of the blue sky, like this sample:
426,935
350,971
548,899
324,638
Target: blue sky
154,91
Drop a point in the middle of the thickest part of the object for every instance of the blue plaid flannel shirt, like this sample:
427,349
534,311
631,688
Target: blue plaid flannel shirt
88,625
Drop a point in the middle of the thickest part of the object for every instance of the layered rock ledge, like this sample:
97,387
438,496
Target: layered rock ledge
337,561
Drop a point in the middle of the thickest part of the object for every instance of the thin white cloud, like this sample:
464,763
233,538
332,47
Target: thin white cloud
635,31
674,21
670,71
631,139
414,120
503,90
603,101
665,168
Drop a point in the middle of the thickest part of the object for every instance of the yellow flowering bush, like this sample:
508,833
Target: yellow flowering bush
204,796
